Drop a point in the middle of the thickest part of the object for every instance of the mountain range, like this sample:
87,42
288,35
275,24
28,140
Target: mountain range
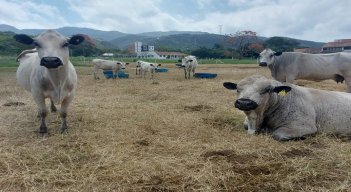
180,40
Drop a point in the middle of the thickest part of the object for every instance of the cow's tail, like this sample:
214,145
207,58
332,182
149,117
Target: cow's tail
338,78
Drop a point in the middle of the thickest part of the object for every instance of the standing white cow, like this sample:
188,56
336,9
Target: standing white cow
189,63
146,67
115,66
288,66
48,73
290,111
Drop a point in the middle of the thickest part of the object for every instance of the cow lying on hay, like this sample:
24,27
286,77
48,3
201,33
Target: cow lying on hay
290,111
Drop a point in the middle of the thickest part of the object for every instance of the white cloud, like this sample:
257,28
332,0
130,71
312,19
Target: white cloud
26,14
319,20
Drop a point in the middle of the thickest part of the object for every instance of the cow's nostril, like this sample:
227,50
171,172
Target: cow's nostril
245,104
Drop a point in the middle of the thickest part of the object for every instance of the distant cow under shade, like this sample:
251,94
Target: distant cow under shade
289,111
115,66
289,66
46,72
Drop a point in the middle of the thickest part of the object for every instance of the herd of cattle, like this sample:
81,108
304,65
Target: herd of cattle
276,106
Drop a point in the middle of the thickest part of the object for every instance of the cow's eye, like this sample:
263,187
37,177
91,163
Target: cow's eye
36,44
65,44
271,56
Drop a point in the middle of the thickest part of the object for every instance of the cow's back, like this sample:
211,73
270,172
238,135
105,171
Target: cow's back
28,63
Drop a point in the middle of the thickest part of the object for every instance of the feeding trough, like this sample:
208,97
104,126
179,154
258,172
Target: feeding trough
161,70
109,74
205,75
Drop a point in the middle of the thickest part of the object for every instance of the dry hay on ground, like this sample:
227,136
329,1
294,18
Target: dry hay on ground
177,135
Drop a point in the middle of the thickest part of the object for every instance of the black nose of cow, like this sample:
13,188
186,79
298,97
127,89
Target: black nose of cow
263,64
50,62
245,104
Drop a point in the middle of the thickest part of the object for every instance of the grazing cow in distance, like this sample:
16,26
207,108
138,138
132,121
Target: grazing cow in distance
290,111
48,73
289,66
189,63
146,67
115,66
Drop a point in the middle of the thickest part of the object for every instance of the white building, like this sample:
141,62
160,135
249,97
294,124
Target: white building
148,51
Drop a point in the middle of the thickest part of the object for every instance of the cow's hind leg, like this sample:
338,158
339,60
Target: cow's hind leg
53,107
63,113
96,68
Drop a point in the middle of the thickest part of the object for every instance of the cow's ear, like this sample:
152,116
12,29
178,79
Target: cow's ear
118,63
127,63
76,39
278,53
25,39
282,90
159,65
229,85
151,64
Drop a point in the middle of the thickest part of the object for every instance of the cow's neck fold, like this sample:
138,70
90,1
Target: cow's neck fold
57,78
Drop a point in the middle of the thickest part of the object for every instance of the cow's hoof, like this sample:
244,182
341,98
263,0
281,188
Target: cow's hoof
43,131
64,130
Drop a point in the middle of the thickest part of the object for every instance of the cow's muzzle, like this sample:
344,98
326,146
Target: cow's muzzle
50,62
263,64
245,104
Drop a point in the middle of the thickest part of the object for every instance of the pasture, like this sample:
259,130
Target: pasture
172,135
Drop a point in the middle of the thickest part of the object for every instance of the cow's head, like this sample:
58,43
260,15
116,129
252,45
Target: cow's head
186,61
256,94
122,65
267,57
154,66
52,47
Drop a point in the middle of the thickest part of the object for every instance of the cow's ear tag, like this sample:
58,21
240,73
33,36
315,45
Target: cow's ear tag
282,93
282,90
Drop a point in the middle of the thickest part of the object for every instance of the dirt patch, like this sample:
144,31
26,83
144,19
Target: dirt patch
297,153
198,108
142,142
8,104
222,121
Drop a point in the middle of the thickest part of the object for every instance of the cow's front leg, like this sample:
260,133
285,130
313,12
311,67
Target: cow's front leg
53,107
185,73
42,112
193,70
348,83
63,113
293,133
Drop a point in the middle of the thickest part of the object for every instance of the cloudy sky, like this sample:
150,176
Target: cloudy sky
317,20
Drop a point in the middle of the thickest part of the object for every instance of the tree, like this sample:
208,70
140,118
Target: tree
241,40
281,44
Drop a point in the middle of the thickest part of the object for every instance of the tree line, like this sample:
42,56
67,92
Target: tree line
242,44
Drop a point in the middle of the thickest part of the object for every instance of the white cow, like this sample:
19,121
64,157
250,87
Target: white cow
146,67
115,66
290,111
48,72
189,63
288,66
